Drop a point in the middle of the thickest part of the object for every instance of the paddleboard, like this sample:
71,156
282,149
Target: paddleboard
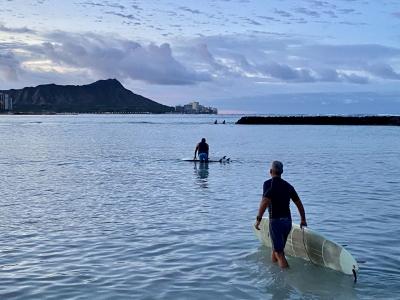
221,160
312,246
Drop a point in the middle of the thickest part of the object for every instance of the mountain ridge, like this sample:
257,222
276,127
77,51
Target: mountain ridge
101,96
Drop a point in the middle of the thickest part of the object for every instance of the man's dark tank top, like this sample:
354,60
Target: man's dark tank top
203,147
280,192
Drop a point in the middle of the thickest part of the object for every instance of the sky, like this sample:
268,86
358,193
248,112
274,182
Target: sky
241,56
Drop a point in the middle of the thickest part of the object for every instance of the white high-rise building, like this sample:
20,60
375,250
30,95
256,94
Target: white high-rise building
195,105
5,102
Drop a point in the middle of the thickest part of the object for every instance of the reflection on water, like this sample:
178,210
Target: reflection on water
201,171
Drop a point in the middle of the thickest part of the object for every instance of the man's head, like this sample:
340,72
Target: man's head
276,168
203,140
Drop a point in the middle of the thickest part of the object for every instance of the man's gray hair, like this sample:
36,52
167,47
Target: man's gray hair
277,167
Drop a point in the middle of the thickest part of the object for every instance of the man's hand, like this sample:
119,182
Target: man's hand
303,223
257,225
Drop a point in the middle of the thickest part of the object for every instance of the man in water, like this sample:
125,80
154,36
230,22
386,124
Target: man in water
202,150
276,196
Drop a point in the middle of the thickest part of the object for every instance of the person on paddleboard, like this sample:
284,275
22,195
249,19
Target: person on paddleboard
202,150
276,197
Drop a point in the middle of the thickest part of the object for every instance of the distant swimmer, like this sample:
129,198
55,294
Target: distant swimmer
202,150
223,122
215,122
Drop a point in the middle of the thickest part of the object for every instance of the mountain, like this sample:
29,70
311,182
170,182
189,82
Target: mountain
101,96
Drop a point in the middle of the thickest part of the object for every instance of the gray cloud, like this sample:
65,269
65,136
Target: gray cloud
328,75
352,23
91,3
9,67
267,18
354,78
125,16
384,71
286,73
322,4
107,56
4,28
103,4
282,13
330,13
258,58
307,12
396,14
292,60
347,10
252,22
187,9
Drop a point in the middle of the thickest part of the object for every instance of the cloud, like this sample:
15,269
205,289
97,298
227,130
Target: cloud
106,56
9,67
354,78
286,73
396,14
322,4
259,58
91,3
330,13
384,71
4,28
125,16
283,13
252,22
307,12
347,10
187,9
299,61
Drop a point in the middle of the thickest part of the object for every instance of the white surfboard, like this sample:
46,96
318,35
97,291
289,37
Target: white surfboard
312,246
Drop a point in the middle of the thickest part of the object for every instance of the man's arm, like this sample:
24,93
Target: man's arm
265,202
300,208
195,151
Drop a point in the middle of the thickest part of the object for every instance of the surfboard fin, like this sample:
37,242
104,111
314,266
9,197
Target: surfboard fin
354,274
224,159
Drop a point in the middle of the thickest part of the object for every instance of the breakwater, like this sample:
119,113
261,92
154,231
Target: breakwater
320,120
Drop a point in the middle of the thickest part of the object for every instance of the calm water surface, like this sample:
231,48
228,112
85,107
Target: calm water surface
102,207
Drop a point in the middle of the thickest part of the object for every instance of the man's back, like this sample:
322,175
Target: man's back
280,192
203,147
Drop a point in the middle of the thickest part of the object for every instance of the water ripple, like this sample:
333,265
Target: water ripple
106,210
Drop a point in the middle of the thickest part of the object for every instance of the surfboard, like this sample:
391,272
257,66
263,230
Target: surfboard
312,246
221,160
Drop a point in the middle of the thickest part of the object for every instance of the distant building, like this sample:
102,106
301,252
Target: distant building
195,108
5,102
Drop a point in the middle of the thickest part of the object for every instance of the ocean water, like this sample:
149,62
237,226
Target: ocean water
102,207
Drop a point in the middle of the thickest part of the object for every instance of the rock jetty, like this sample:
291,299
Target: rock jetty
320,120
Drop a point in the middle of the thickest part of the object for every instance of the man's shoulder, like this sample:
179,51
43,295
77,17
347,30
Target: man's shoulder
287,184
267,182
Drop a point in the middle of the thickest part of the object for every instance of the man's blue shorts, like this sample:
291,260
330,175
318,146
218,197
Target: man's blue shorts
203,156
279,230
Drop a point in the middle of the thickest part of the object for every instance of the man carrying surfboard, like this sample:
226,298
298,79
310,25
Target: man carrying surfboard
276,197
202,150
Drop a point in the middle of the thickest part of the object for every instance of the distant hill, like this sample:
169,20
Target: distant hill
101,96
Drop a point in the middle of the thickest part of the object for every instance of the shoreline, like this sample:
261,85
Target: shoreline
321,120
